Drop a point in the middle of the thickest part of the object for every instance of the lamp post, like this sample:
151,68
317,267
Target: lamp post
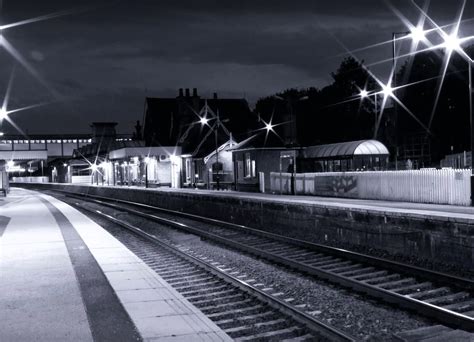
147,160
364,94
217,151
289,106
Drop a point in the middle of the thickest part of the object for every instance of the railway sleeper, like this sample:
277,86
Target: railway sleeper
415,288
274,335
308,256
317,259
186,282
429,293
325,262
303,253
219,300
266,244
357,272
380,280
218,308
212,294
280,249
186,278
450,298
197,286
336,265
460,307
181,276
469,313
233,312
254,318
307,337
393,284
248,329
194,292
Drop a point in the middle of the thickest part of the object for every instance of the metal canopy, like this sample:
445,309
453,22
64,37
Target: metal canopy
347,149
24,155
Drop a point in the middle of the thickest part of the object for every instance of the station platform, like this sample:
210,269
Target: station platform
64,278
428,211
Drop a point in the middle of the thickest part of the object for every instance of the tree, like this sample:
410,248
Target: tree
449,121
331,114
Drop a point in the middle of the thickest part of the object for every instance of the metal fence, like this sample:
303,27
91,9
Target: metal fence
445,186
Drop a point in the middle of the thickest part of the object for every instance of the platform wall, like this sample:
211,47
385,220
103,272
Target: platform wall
439,238
446,186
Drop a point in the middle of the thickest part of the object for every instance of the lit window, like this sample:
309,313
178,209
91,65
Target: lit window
249,166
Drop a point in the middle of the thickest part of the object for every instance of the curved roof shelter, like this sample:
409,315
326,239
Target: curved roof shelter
347,150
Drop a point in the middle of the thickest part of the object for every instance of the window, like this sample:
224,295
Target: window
249,166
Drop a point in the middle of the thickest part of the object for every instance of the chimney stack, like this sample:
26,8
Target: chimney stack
180,92
187,92
195,92
215,96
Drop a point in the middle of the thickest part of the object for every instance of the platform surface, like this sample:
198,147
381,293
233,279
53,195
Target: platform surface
64,278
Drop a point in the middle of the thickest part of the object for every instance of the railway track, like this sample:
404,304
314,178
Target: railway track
243,311
445,298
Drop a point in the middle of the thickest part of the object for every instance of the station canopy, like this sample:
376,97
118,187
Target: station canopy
24,155
347,150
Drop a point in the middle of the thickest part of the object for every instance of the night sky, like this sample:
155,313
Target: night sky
100,61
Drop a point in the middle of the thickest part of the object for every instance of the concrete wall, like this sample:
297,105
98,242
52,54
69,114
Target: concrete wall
441,239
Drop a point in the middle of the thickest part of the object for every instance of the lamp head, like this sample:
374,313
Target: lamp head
363,93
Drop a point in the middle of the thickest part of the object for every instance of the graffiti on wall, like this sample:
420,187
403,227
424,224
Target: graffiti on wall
345,186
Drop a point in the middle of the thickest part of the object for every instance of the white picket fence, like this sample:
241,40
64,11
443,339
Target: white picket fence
445,186
81,180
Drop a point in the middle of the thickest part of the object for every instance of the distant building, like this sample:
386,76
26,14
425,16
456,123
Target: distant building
176,121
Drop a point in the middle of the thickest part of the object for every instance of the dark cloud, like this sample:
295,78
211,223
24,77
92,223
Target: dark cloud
107,55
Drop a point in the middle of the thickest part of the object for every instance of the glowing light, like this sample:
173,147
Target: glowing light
269,126
174,158
10,164
452,42
147,160
203,120
3,113
363,93
94,167
417,34
1,134
65,164
387,90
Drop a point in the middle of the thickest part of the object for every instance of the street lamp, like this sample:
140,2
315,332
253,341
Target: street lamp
147,160
289,105
365,94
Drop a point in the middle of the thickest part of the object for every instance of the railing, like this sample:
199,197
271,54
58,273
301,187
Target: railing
445,186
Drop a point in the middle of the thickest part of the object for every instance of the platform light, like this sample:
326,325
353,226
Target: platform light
174,158
417,34
203,120
3,113
387,90
10,164
147,160
363,93
1,134
452,42
269,127
64,164
94,167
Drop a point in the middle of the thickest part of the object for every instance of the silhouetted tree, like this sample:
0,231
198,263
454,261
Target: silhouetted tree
449,122
331,114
